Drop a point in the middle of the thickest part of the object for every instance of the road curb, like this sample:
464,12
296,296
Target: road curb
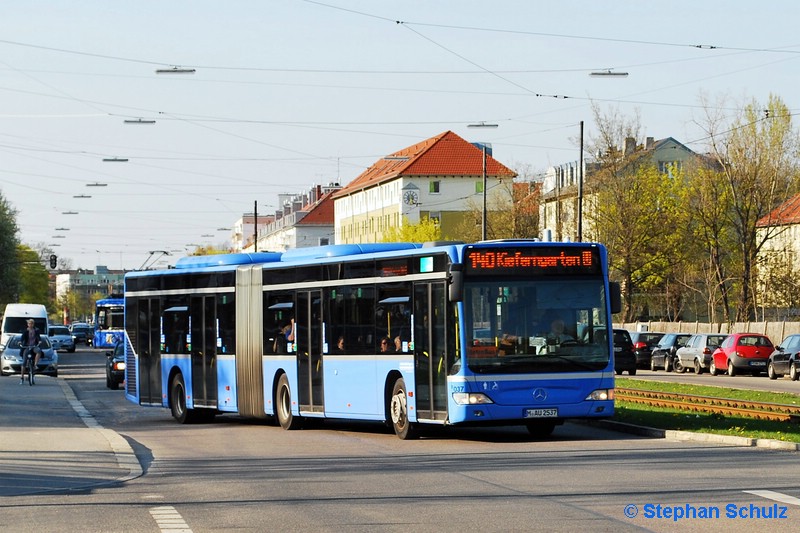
126,458
692,436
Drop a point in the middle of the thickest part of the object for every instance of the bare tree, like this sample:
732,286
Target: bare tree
757,154
512,213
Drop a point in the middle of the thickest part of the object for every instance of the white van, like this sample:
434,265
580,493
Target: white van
15,320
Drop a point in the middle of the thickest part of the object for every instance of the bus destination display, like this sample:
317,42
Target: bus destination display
527,261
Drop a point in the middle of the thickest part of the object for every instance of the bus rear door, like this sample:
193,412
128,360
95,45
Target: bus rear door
309,351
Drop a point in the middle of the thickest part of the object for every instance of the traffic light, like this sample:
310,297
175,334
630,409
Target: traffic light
53,260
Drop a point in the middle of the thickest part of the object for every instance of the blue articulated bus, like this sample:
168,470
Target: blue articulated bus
109,322
400,333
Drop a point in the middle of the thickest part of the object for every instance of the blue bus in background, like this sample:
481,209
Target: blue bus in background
109,322
400,333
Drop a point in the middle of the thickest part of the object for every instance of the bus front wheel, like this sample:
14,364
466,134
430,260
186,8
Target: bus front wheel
283,405
398,409
541,429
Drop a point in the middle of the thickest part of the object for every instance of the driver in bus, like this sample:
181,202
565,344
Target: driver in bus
557,334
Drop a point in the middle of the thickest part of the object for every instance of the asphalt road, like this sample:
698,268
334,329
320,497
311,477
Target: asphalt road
237,474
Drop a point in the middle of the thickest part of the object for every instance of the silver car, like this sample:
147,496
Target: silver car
11,358
61,338
696,353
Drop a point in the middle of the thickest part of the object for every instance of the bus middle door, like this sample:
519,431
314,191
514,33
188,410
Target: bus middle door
204,351
309,351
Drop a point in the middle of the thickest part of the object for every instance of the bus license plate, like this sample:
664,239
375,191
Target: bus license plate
541,413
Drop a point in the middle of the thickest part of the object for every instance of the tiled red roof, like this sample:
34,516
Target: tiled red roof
321,213
446,154
785,214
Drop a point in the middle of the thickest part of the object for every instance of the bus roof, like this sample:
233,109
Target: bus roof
334,252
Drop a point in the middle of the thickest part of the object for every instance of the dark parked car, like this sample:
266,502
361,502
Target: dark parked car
643,344
115,367
664,353
624,360
785,359
82,334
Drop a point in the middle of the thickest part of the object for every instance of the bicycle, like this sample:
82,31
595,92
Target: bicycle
29,364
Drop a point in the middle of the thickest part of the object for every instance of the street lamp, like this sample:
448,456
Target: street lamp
175,70
483,172
608,73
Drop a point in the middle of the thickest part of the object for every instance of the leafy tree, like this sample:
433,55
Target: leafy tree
9,267
34,278
633,209
424,230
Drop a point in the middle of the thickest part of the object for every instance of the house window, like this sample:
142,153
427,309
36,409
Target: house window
478,187
324,241
666,167
434,187
436,217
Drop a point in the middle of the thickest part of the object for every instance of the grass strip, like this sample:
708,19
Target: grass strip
663,418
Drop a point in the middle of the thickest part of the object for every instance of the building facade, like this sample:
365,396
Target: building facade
565,187
304,220
440,179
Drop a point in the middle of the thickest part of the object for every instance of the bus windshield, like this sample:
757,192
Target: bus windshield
110,317
527,326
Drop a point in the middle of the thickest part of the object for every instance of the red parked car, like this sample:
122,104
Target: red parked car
742,352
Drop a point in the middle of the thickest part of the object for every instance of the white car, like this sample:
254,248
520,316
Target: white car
61,338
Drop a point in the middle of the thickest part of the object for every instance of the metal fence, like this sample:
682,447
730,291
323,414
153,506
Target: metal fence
776,331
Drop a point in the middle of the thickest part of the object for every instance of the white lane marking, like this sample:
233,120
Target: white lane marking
126,458
169,519
776,496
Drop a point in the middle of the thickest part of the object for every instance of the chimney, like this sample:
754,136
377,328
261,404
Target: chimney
630,146
649,143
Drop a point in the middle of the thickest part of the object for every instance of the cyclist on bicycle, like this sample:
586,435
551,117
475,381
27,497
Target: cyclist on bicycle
29,343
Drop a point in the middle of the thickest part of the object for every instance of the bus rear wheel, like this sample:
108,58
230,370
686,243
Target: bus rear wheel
177,400
283,405
398,409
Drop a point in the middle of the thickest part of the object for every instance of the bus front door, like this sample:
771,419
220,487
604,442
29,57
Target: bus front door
309,351
204,350
430,350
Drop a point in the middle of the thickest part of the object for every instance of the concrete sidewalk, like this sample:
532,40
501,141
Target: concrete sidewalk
50,443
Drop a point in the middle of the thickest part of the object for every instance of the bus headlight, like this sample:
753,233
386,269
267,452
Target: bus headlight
601,394
466,398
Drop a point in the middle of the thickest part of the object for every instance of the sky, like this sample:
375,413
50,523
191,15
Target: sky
290,94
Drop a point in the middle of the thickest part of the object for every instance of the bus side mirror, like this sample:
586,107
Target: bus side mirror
615,295
455,277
